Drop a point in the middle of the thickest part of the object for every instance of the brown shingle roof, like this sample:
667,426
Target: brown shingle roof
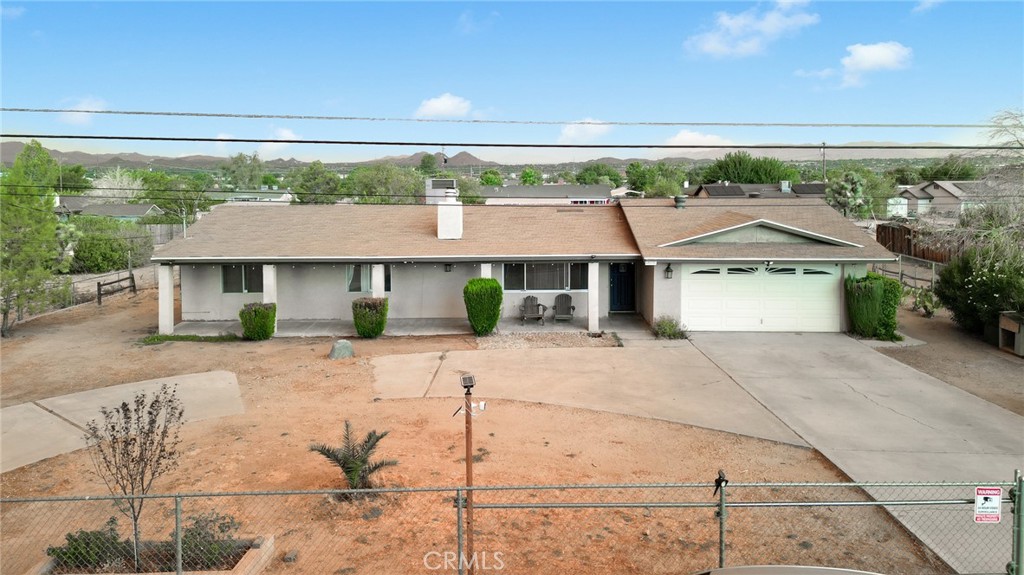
656,222
400,232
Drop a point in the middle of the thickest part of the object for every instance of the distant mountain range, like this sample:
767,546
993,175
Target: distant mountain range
10,150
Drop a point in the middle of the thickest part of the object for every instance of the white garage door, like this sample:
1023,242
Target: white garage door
761,298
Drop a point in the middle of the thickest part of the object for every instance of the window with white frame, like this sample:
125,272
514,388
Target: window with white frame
242,278
357,278
545,276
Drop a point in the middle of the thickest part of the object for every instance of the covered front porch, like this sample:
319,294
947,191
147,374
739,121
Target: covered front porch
416,327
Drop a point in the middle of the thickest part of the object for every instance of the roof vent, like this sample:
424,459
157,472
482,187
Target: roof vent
785,187
680,202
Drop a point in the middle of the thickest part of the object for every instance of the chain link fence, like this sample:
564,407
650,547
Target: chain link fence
892,528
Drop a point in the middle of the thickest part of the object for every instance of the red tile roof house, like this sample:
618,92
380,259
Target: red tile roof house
754,265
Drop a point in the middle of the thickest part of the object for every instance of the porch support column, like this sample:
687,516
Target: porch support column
377,280
165,287
270,289
593,297
485,271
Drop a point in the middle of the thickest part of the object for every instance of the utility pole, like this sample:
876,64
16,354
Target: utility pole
824,178
468,381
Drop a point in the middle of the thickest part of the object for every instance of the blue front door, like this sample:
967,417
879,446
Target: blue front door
622,288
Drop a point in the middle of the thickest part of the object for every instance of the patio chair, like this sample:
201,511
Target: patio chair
563,308
532,309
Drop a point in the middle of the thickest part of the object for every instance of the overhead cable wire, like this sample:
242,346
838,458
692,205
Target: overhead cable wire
507,122
513,145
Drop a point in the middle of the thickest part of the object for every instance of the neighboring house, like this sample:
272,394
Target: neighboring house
67,206
781,190
551,194
945,197
126,212
714,265
246,196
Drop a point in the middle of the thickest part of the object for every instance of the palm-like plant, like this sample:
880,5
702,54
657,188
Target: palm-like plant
354,458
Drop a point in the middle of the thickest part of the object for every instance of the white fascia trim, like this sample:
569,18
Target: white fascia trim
768,223
781,260
394,259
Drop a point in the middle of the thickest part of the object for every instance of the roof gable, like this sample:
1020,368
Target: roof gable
756,231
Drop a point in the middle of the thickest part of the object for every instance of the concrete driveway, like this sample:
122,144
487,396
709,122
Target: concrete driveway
879,420
875,418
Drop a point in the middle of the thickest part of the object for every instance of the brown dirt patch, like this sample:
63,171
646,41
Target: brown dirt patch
295,396
960,359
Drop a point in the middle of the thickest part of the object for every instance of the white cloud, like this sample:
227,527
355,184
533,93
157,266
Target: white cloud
865,58
444,106
222,147
469,24
926,5
12,12
821,74
749,32
581,132
267,148
81,118
691,138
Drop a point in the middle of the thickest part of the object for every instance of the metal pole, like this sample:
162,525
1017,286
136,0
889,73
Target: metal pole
469,482
458,527
721,513
1016,564
177,536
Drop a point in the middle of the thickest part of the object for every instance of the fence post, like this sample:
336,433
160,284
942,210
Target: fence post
177,536
1016,564
458,527
932,285
99,293
721,513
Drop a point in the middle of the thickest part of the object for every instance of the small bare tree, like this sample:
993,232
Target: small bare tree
133,445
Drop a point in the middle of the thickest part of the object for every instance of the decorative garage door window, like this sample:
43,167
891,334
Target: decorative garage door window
816,272
742,271
774,271
239,278
545,276
707,271
357,277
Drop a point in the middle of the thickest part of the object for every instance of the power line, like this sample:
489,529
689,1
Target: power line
511,145
507,122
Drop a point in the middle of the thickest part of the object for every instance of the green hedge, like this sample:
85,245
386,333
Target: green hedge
864,305
370,315
892,296
979,284
483,297
258,320
104,244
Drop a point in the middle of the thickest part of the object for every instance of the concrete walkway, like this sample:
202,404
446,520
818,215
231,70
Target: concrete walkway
38,430
879,420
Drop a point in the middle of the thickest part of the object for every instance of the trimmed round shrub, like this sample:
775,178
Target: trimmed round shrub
370,315
258,320
864,305
483,297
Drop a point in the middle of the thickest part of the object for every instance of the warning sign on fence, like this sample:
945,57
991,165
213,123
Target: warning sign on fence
987,504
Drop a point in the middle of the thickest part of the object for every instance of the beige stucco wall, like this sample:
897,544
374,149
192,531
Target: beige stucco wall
201,297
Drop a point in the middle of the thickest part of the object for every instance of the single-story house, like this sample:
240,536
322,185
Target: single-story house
550,194
126,212
782,189
945,197
776,265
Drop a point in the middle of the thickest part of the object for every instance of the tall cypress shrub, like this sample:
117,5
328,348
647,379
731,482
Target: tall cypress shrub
483,297
892,296
864,305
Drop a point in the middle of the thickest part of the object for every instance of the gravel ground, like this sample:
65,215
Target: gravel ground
553,339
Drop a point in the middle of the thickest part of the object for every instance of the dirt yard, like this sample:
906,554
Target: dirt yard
295,396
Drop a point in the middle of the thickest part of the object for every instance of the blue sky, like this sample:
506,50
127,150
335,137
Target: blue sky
941,62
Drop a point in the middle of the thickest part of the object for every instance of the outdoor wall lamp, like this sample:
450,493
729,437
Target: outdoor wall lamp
447,267
768,262
668,272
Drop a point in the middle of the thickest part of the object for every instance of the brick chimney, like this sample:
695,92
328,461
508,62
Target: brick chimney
449,217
